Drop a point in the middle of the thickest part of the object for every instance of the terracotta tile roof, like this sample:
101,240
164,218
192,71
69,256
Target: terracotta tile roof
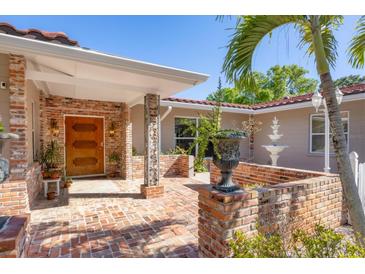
53,37
354,89
205,102
350,90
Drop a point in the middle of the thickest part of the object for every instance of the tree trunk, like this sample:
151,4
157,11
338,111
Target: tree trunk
343,162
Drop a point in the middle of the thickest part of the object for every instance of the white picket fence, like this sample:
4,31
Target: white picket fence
359,172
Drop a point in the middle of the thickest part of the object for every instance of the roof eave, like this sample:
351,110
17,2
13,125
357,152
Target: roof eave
204,107
20,45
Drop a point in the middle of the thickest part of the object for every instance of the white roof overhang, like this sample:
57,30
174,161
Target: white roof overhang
85,74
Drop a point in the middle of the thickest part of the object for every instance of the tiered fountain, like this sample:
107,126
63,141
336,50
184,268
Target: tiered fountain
274,148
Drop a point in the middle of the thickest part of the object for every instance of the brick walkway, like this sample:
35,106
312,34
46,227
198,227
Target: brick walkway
93,220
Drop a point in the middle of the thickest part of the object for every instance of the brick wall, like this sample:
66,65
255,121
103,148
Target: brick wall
170,166
18,117
56,107
247,173
17,196
281,207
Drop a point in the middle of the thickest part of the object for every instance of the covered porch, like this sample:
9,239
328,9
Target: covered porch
81,99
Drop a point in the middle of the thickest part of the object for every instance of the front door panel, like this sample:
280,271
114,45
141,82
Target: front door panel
84,146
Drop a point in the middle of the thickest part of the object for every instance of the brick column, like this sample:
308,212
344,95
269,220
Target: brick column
151,187
18,117
126,157
220,215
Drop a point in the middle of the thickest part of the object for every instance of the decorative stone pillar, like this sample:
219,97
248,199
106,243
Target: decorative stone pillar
251,144
126,157
151,187
18,117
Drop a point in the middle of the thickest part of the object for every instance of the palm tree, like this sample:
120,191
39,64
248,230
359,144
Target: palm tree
357,47
316,35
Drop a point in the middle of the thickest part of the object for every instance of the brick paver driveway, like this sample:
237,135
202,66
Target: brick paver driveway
104,218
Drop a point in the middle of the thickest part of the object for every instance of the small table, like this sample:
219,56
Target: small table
46,182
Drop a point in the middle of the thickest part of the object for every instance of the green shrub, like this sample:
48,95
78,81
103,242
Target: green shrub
323,243
259,246
176,151
114,157
134,151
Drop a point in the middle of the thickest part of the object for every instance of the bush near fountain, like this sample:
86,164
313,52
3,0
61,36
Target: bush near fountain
275,198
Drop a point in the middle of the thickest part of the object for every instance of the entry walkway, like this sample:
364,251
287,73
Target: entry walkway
109,218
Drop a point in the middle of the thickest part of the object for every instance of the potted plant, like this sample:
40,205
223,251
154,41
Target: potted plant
67,181
226,146
51,195
50,158
114,160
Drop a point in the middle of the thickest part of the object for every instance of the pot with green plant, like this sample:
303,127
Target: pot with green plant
67,181
226,146
114,161
50,158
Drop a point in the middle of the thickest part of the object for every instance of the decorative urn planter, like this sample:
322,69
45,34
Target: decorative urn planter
228,146
4,163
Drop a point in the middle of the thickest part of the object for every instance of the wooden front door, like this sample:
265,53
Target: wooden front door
84,145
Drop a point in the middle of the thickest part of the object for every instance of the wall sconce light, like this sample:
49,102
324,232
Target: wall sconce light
55,130
112,129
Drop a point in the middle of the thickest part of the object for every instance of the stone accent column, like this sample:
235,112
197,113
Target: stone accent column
126,157
251,144
151,187
220,215
18,117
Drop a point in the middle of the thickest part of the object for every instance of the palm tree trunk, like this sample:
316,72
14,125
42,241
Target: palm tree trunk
349,188
351,194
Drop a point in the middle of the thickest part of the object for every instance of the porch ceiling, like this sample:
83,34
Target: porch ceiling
85,74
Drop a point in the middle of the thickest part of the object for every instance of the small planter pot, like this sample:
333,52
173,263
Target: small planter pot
229,150
67,184
51,195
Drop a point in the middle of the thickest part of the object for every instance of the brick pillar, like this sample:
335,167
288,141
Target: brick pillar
151,187
18,117
220,215
126,157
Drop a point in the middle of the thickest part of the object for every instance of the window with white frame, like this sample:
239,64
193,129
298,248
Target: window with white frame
317,132
183,136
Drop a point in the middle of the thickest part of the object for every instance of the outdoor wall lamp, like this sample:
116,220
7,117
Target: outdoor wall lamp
317,101
112,129
54,129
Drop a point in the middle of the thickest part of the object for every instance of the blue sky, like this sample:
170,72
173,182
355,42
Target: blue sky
194,43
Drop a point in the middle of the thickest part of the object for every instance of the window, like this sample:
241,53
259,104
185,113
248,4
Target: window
317,132
183,137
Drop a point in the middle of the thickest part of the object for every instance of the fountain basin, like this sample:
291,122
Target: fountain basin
275,138
274,149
